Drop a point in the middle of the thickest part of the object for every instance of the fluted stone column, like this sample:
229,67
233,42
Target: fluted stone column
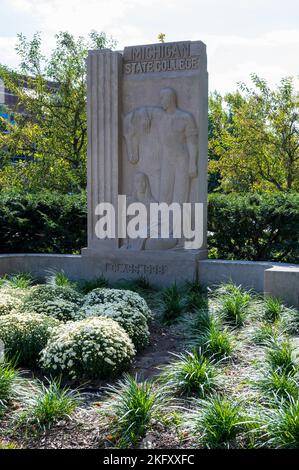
103,122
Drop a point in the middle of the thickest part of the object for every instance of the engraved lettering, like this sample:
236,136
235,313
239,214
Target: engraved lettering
160,58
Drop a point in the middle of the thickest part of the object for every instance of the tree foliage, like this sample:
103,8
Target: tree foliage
50,120
254,137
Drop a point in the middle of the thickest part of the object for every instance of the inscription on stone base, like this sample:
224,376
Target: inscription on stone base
141,269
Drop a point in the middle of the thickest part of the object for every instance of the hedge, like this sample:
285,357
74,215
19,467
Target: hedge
255,226
241,226
42,223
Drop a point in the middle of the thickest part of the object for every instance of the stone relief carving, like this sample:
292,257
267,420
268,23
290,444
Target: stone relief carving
163,141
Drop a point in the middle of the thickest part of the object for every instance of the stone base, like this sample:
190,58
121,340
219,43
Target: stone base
161,268
277,279
283,282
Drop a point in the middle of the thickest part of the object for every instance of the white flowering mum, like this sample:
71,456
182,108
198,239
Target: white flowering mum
105,295
8,303
90,348
47,293
11,299
130,318
25,335
60,309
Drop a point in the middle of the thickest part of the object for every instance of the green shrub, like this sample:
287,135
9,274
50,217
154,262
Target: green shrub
129,409
101,296
62,310
25,335
216,422
130,318
42,222
48,405
191,373
255,226
46,293
90,348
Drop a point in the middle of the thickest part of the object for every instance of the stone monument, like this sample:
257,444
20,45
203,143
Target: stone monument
147,110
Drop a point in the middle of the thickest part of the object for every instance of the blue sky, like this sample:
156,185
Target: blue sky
242,36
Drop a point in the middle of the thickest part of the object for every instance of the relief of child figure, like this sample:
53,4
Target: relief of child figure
142,193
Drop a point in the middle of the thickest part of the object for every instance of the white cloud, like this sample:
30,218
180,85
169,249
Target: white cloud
237,45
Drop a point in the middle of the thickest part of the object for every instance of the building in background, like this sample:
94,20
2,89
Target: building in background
6,98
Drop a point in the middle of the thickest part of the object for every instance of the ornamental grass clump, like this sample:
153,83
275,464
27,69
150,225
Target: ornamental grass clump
196,296
290,320
216,422
273,309
62,310
25,335
208,335
130,318
265,333
127,413
47,293
191,373
105,295
17,281
281,356
279,426
59,279
173,304
234,306
275,384
49,404
217,342
91,348
9,377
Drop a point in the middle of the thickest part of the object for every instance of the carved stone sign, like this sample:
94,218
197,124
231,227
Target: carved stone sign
160,58
147,140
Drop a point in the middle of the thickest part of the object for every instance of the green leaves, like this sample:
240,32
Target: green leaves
50,122
254,137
